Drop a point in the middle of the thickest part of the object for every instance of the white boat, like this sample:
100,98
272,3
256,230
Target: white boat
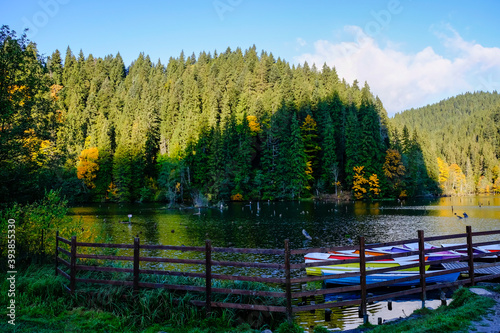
476,249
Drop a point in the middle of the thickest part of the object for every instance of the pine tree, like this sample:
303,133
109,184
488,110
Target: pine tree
394,171
243,159
311,148
353,135
297,160
329,163
54,65
371,143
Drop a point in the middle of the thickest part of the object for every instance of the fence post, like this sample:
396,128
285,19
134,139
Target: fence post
362,278
72,281
136,263
57,251
421,262
288,287
470,254
208,276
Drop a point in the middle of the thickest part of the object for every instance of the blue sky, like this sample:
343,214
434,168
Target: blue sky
411,53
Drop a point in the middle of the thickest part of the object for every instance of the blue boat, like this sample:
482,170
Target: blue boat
382,277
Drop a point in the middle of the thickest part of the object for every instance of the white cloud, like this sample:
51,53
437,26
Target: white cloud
301,42
404,80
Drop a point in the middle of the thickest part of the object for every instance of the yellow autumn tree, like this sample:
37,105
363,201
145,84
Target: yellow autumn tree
443,171
18,94
237,197
496,186
54,91
112,191
374,184
253,124
359,183
484,185
456,180
87,167
39,150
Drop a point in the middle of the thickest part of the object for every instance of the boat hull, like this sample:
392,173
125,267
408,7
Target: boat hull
353,267
383,277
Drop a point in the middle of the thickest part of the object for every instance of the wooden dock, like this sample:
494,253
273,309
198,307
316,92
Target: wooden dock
480,268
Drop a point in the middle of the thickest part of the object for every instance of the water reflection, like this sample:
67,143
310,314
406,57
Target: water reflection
269,224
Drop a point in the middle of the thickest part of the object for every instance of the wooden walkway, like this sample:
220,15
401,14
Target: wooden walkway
479,267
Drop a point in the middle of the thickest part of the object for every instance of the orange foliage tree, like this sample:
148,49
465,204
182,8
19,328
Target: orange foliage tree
374,184
362,186
88,167
253,124
359,183
443,172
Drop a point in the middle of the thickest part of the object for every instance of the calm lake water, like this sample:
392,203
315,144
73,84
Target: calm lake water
268,224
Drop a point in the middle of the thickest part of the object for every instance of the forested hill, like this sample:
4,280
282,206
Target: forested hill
464,133
234,125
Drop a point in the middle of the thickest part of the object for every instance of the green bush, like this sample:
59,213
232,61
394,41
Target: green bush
287,327
35,227
321,329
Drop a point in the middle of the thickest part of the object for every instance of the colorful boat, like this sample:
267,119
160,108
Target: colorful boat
440,255
493,249
383,277
377,264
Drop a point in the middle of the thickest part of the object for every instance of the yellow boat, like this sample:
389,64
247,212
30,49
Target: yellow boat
353,267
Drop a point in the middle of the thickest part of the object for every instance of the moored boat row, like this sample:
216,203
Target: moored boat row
338,266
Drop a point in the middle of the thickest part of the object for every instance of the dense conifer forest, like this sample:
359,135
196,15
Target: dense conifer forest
235,125
463,132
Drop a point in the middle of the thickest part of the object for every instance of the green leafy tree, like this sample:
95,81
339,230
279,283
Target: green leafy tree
25,112
36,226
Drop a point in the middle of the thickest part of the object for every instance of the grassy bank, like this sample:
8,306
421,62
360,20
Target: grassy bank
42,305
456,317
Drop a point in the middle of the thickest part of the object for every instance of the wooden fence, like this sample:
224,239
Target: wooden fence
285,267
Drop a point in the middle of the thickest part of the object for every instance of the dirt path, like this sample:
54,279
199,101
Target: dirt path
491,322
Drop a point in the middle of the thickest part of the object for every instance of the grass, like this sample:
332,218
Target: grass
465,308
42,305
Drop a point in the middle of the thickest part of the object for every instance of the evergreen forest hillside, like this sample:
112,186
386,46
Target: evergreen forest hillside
236,125
464,133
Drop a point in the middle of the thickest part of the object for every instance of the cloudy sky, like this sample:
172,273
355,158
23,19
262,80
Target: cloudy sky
411,53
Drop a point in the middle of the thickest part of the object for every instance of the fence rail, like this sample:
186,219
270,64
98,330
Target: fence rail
75,262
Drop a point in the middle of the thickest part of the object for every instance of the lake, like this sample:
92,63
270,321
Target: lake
268,224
